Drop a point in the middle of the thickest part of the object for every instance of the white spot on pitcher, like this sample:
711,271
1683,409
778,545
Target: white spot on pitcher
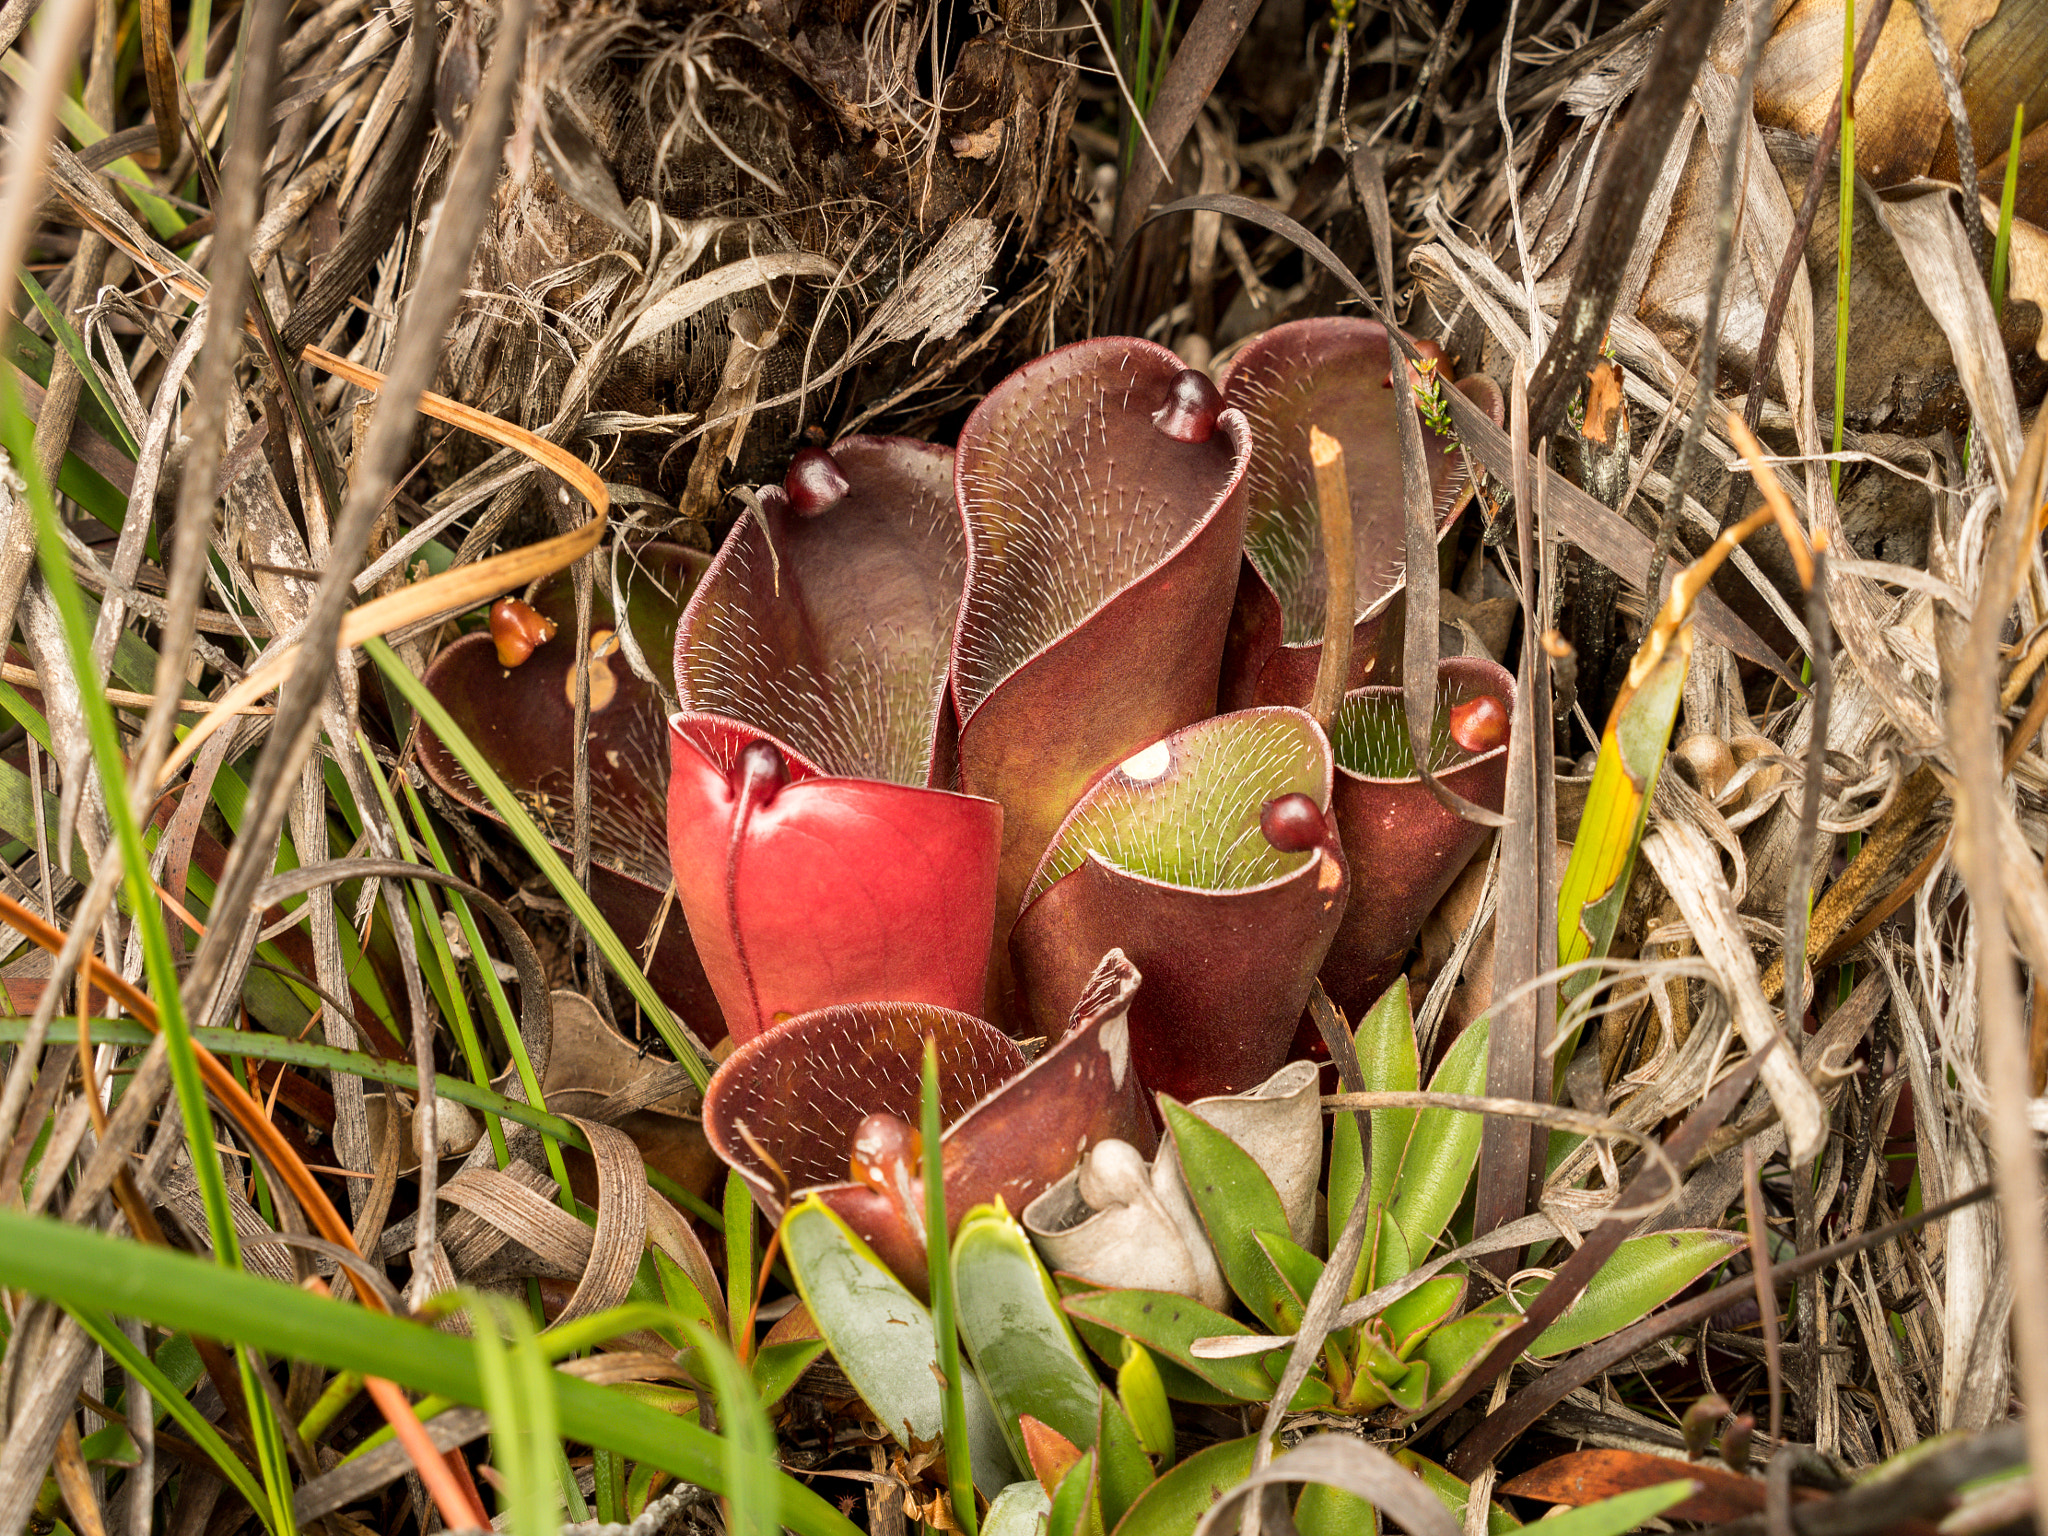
1150,764
1115,1039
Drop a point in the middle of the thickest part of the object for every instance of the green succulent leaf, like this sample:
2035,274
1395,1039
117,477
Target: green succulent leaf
1169,1325
1325,1511
881,1335
1411,1319
1643,1274
1624,1512
1298,1269
1020,1341
1142,1393
1347,1178
1387,1260
1175,1504
674,1289
1454,1351
1456,1494
1236,1202
1387,1063
1077,1502
1108,1345
1376,1359
1443,1148
778,1367
1409,1391
1019,1510
1122,1472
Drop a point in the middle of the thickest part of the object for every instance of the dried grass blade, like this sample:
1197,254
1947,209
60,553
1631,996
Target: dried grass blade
1617,211
1654,1184
453,591
1198,63
1973,716
1506,1423
1794,261
160,70
1419,631
1690,868
1336,1461
220,1082
1588,522
1507,1151
1945,274
1766,1292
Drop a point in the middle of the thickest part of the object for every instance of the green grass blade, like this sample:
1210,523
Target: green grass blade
444,961
198,27
524,1444
501,1005
124,172
752,1489
506,806
101,1330
2002,250
162,971
147,914
74,344
177,1291
261,1046
938,1263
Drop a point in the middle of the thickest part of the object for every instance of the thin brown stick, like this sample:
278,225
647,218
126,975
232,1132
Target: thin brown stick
1501,1427
28,677
1340,602
1794,261
1766,1293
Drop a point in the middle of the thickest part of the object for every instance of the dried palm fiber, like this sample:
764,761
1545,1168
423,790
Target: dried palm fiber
667,148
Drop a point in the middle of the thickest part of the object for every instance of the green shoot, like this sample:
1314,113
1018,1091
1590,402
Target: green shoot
2002,250
753,1492
444,959
525,1443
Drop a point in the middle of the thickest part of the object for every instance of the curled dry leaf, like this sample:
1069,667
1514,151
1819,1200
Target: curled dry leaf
786,1110
595,1072
1332,373
821,859
1210,859
1903,129
1120,1223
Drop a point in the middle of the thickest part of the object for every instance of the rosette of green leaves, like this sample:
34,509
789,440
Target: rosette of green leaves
1413,1353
